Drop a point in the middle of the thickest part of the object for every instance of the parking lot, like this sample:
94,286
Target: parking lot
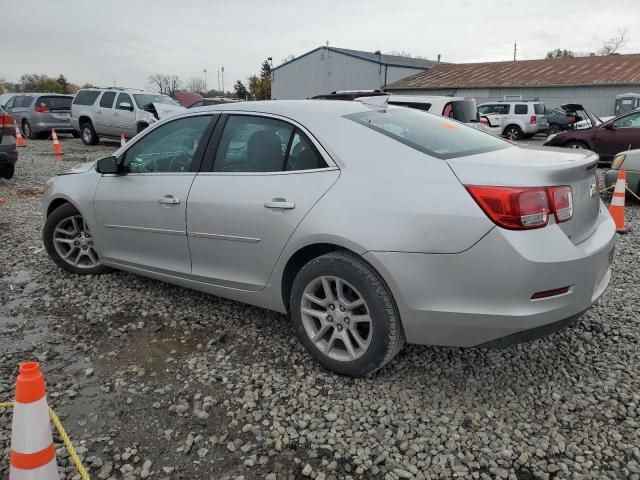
153,380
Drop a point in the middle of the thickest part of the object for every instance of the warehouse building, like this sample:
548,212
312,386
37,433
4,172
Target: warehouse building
592,81
327,69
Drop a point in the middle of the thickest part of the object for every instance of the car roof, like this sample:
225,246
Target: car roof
40,94
122,90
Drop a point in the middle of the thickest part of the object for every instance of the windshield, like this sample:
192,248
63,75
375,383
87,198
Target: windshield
144,99
427,133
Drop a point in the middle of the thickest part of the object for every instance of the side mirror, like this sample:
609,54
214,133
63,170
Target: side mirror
107,165
125,106
609,126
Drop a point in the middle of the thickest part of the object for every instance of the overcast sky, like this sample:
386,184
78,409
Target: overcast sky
126,41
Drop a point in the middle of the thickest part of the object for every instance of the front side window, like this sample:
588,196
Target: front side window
630,121
124,98
435,136
107,99
168,148
10,103
521,109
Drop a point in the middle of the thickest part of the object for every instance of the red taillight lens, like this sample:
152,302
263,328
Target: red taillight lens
534,120
513,208
6,121
562,203
42,109
484,121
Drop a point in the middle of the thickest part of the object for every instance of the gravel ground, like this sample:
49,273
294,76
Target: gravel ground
155,381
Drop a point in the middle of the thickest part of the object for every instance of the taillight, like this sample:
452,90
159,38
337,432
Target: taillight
523,208
42,109
6,121
562,203
484,121
534,120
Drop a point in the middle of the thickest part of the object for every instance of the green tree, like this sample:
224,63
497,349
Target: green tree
240,90
64,83
265,69
560,53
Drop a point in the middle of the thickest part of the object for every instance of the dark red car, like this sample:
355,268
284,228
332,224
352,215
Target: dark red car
605,138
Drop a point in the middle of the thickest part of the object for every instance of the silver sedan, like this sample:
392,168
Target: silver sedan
370,225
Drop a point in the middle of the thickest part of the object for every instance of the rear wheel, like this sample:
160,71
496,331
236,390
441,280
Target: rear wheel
7,171
576,144
345,315
554,128
69,242
513,132
88,134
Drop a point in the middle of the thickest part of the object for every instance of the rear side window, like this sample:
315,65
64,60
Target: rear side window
107,99
86,97
55,103
538,108
435,136
521,109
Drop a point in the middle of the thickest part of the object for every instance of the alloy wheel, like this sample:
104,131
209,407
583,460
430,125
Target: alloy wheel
73,242
86,135
336,318
26,129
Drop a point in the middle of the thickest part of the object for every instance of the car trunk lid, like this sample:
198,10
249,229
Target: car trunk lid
54,108
540,167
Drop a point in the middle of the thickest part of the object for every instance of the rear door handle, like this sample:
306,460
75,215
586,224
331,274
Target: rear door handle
169,200
280,203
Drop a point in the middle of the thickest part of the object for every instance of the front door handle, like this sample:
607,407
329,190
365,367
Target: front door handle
280,203
169,200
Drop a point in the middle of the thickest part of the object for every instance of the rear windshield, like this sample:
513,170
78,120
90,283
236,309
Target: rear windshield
143,99
418,106
86,97
427,133
55,103
465,111
538,108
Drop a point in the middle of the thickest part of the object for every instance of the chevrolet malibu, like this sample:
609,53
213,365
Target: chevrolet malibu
370,225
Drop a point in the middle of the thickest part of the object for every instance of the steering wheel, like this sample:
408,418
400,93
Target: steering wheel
181,163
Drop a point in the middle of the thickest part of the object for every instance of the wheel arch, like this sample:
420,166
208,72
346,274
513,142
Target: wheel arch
58,202
82,119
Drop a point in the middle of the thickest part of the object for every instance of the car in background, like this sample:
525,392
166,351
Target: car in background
630,162
111,112
205,102
519,118
558,120
349,94
606,139
37,113
462,109
369,226
8,151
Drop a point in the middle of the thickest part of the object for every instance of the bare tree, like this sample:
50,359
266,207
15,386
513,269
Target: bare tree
614,44
195,84
163,83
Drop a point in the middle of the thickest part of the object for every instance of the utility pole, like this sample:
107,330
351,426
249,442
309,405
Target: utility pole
222,70
218,80
515,49
205,79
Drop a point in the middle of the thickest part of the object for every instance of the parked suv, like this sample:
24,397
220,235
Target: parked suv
8,152
38,113
110,112
520,118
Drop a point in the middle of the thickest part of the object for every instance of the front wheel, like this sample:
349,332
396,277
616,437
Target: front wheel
345,315
69,242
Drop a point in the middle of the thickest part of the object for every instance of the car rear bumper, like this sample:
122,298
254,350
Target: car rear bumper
484,294
60,126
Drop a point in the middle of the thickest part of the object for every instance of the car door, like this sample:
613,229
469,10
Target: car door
124,116
618,135
104,115
141,212
266,175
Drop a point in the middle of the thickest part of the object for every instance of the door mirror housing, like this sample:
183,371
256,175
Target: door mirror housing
125,106
609,126
108,165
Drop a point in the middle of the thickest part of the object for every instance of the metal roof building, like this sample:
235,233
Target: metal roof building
592,81
327,69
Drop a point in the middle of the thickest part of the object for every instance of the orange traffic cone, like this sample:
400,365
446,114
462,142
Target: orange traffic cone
122,140
20,141
616,209
33,454
57,148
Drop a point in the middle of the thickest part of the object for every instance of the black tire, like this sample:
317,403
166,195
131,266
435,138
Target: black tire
75,134
27,131
576,144
58,215
140,127
513,132
7,171
386,334
554,128
88,134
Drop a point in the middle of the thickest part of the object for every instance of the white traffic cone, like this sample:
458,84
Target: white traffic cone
33,454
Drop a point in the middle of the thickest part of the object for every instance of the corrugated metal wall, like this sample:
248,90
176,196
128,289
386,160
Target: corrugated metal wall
601,99
323,72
